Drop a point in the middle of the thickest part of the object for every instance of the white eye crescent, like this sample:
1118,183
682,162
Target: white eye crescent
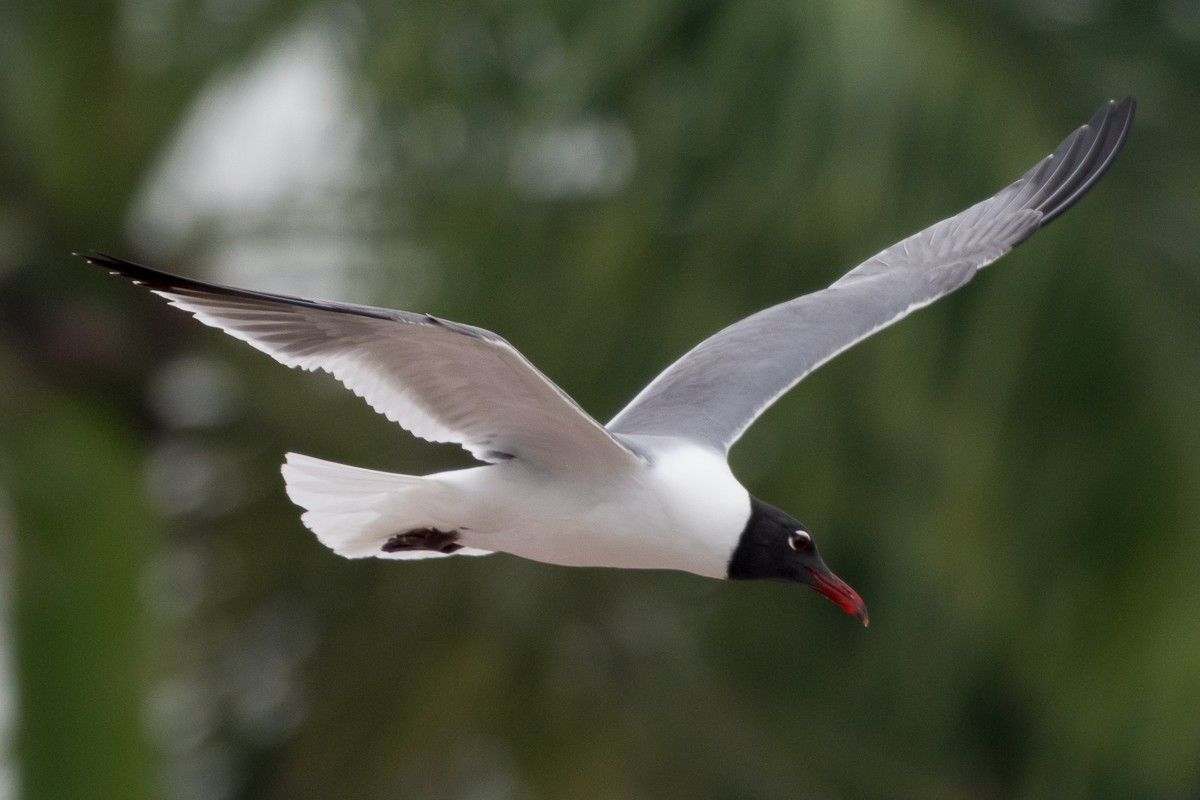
800,541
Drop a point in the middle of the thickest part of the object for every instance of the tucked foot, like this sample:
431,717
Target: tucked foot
423,539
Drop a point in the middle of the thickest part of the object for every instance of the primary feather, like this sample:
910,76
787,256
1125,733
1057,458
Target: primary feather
441,380
715,391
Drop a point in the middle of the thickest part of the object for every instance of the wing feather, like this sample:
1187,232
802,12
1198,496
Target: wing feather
715,391
440,380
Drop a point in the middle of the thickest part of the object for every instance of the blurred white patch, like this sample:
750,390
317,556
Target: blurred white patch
183,477
242,681
211,773
274,133
181,714
269,178
593,158
194,392
175,581
258,672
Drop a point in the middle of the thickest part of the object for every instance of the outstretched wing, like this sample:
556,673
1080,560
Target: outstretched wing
715,391
442,381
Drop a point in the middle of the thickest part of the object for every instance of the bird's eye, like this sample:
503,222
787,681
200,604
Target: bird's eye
800,541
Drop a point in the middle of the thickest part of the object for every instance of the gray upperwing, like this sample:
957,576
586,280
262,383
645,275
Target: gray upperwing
715,391
440,380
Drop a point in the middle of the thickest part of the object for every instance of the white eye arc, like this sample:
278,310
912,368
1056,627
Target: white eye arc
800,541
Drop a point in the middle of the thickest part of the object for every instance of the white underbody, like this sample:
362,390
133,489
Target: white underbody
681,509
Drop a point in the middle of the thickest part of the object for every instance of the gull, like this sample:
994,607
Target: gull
652,489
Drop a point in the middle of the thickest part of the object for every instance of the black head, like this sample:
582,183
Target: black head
776,547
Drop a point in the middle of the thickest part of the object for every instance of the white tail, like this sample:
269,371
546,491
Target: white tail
354,511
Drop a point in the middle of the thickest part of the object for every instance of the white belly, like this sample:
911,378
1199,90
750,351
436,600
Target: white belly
683,511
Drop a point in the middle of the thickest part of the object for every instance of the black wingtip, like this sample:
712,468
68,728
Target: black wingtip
166,283
1086,155
93,257
113,264
139,273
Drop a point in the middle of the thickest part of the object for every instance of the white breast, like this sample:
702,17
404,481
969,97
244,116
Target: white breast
682,510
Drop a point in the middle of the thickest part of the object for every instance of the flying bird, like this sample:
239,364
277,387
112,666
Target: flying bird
652,488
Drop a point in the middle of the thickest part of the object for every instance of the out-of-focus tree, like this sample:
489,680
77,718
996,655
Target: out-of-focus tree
1010,477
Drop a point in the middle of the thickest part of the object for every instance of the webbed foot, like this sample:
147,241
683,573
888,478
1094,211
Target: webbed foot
423,539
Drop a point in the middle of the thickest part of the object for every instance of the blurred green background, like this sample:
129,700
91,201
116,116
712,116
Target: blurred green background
1011,478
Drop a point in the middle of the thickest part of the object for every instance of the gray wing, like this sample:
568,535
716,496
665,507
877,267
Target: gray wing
442,381
715,391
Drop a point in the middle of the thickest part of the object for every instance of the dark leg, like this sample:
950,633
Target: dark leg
423,539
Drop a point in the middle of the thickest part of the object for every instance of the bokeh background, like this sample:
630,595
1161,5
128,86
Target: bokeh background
1011,478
